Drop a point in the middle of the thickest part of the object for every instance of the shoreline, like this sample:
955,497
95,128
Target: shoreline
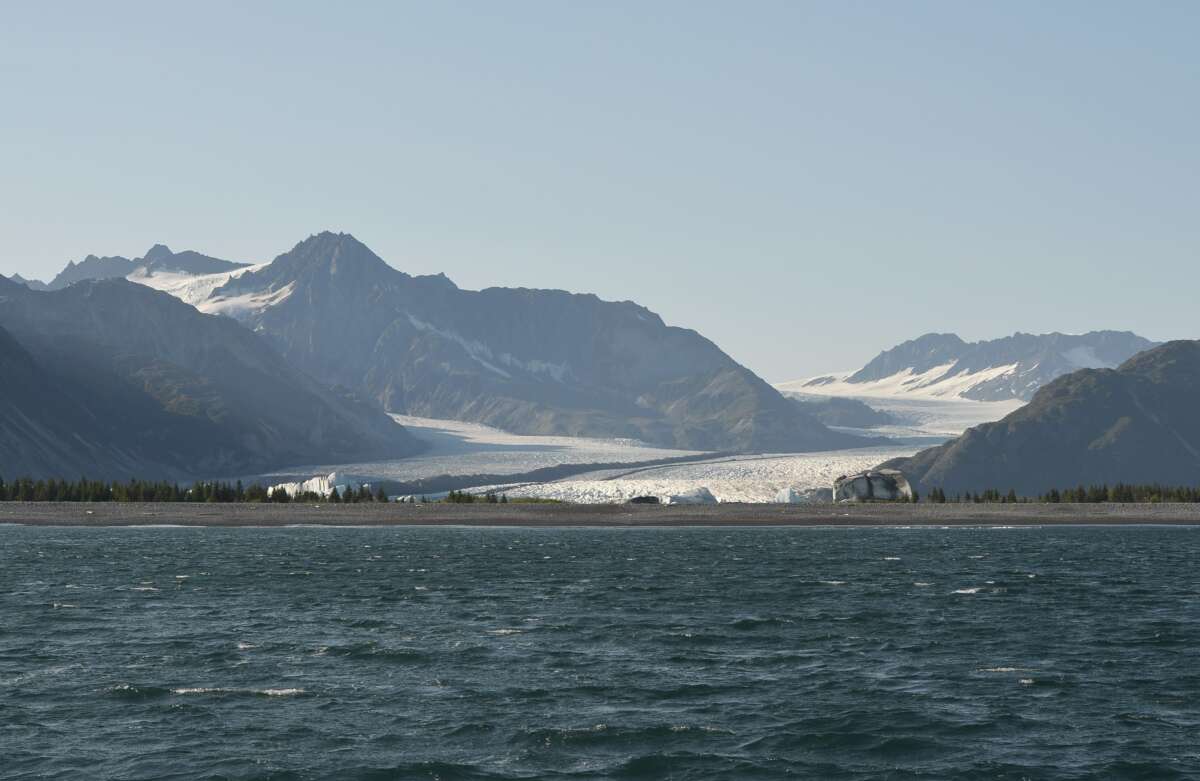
82,514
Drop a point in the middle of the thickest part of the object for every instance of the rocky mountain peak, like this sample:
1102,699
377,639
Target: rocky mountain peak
158,252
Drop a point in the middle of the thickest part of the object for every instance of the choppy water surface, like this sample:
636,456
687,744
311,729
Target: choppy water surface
511,653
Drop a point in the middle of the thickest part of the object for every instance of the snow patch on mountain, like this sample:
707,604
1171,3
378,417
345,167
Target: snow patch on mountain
194,289
940,382
944,366
483,354
479,352
244,304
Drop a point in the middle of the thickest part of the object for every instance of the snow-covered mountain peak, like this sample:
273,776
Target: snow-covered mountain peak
943,366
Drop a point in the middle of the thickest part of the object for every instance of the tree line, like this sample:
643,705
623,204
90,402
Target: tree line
83,490
1118,493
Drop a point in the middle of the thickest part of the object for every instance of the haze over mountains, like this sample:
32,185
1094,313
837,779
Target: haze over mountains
198,394
113,380
526,361
158,259
1136,424
945,366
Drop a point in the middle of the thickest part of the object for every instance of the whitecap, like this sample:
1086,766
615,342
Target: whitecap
922,584
975,590
505,631
833,582
1004,670
224,690
891,558
1026,681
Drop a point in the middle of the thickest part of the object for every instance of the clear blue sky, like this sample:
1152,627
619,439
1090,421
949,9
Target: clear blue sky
804,183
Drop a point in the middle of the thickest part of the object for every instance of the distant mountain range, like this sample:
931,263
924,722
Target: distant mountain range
526,361
159,259
1139,423
944,366
113,380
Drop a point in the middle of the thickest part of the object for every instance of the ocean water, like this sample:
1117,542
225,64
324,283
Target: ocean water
306,653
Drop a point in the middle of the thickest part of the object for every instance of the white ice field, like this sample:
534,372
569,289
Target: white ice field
737,479
458,448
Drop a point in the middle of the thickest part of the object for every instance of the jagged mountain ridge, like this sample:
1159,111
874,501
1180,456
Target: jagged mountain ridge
1013,367
159,259
112,380
1138,423
527,361
32,284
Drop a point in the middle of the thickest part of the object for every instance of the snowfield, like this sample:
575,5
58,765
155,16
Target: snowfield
931,384
921,414
735,479
934,420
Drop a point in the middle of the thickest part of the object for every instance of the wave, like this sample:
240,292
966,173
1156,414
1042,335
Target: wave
1004,670
126,691
604,733
291,692
754,622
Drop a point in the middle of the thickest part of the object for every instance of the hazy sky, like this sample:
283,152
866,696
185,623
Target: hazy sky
804,183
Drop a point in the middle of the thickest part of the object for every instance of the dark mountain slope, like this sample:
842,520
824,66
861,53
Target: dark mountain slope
117,379
1139,423
847,413
528,361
